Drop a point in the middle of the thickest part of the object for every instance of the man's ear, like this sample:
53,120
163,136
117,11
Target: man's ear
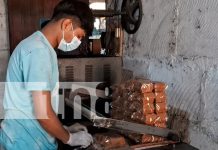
66,25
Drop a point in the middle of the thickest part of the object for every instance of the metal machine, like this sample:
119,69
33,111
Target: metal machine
109,69
98,120
96,69
131,15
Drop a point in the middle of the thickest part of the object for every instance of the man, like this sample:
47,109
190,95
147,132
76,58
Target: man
30,101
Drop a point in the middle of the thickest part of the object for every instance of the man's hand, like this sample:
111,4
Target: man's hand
81,138
47,117
76,128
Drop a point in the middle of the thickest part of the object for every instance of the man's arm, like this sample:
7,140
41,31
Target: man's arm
47,117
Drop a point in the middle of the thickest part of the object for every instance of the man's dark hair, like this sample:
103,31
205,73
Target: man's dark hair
76,10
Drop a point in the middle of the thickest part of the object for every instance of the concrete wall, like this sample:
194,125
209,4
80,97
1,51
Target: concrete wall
177,43
4,42
4,50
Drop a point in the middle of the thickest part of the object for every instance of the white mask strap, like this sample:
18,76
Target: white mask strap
72,29
63,34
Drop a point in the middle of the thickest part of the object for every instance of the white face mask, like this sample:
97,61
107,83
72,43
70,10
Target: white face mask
66,47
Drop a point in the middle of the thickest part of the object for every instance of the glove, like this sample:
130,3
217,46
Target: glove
81,138
76,128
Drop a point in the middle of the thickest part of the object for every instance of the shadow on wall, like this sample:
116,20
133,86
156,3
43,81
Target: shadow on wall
178,120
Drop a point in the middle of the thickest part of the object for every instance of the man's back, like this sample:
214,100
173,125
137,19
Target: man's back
32,66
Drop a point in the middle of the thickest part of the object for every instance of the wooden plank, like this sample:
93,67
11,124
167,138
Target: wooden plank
24,18
85,1
15,23
49,7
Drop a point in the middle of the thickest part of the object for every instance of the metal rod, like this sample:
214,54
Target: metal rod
123,125
107,13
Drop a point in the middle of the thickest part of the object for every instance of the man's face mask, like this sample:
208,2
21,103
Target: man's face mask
66,47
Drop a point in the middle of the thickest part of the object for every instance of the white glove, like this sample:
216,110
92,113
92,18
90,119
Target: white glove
76,128
81,138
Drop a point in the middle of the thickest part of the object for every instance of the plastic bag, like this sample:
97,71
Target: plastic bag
159,86
107,141
160,108
160,97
